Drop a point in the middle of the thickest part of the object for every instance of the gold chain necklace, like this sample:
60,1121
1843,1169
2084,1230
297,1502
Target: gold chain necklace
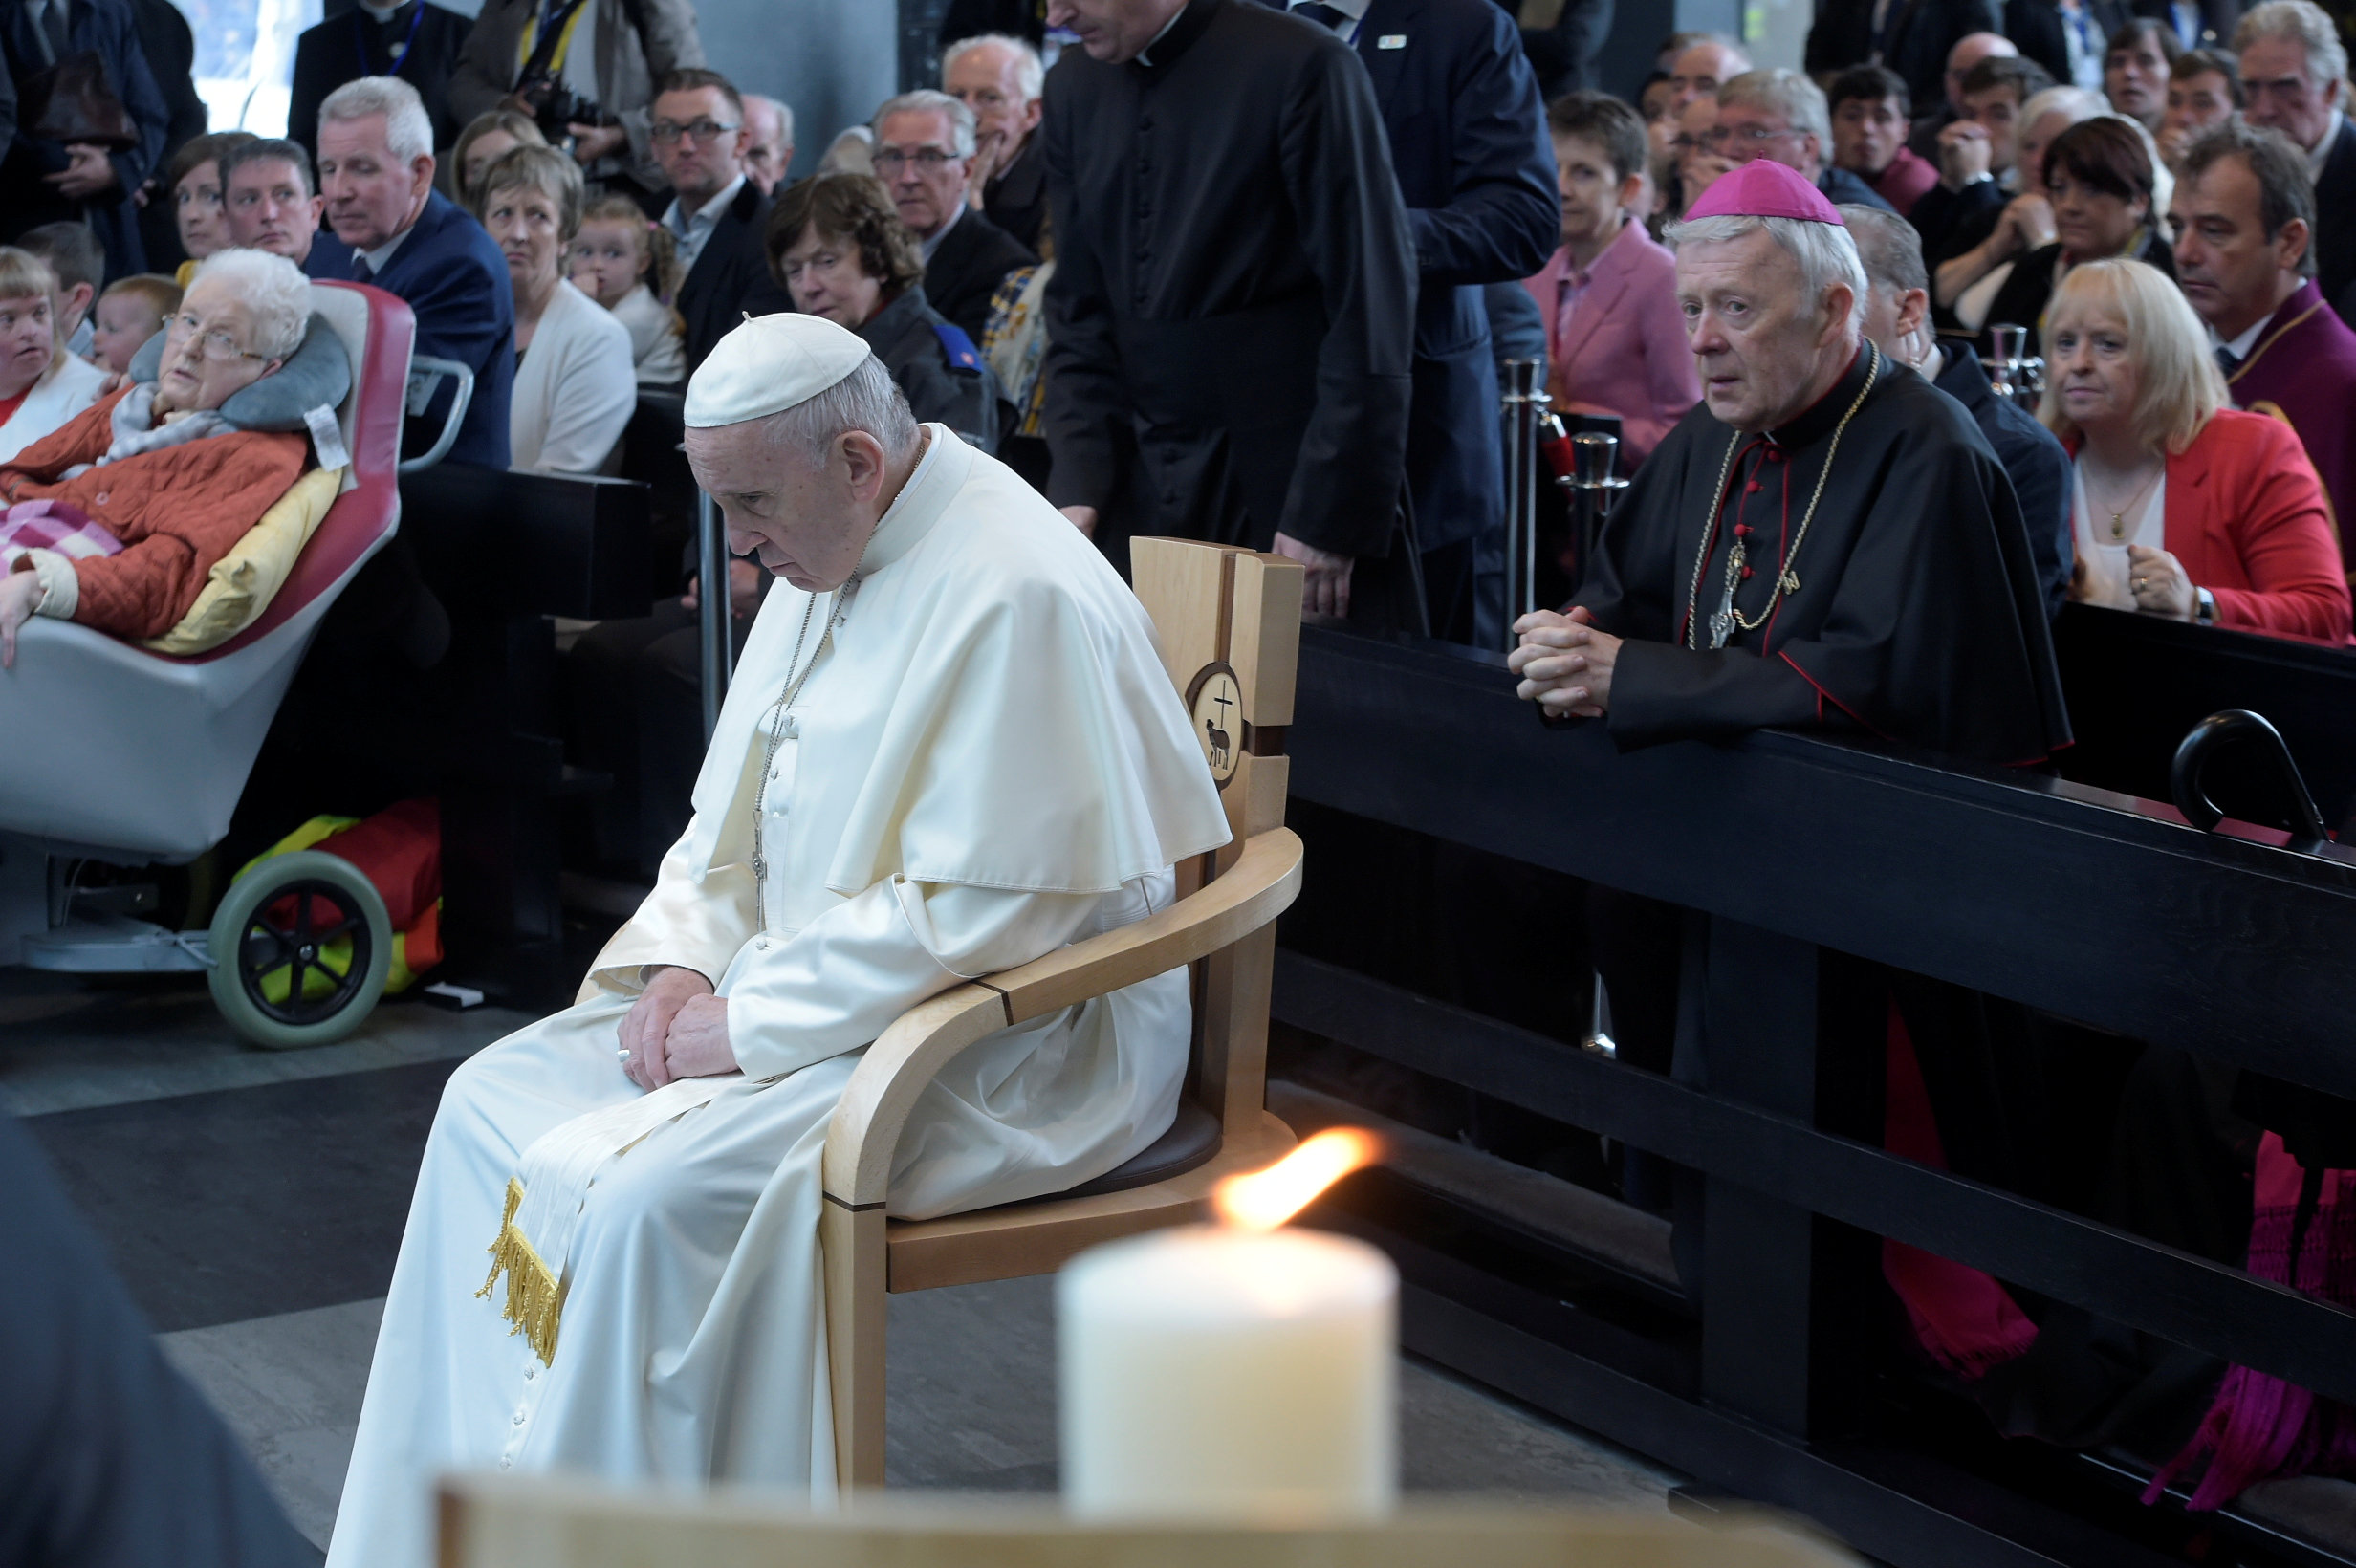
2134,504
1727,618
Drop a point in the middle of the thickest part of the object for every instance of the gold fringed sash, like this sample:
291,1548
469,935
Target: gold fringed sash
534,1295
544,1198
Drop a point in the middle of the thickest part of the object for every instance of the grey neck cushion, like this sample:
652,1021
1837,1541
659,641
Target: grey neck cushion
317,374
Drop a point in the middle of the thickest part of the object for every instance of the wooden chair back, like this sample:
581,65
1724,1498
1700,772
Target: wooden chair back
1229,626
1229,623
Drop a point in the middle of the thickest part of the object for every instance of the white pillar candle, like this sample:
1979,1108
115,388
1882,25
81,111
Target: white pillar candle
1218,1370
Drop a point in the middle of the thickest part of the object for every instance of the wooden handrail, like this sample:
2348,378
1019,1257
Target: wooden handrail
884,1088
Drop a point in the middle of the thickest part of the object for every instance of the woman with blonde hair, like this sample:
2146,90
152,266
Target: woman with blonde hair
2183,506
41,386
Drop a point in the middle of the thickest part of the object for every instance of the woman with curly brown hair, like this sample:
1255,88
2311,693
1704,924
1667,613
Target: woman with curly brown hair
839,247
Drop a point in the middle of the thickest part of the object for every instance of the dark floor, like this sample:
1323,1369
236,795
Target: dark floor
253,1201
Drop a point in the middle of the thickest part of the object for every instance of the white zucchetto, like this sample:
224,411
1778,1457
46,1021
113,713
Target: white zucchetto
767,365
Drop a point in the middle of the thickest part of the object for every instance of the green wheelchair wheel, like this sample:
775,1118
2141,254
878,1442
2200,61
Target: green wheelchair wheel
300,945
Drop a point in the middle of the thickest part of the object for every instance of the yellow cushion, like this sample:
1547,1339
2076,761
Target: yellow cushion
244,581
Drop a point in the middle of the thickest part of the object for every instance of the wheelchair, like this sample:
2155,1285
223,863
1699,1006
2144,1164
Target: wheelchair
129,757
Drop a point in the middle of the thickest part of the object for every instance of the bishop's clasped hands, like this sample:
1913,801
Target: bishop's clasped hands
1565,662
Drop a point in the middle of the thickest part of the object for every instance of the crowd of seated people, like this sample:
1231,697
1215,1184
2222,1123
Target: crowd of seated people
2174,226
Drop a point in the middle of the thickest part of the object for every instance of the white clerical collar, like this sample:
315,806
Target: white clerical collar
1143,55
913,510
2320,153
926,247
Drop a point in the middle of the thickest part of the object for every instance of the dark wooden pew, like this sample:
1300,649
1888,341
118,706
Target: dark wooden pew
2136,684
504,551
1792,851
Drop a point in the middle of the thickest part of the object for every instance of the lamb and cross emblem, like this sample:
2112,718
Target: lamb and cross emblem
1217,705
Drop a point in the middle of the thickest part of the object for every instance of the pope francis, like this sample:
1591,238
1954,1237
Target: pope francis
951,748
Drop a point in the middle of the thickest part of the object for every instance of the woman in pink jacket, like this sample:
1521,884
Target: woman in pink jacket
1614,342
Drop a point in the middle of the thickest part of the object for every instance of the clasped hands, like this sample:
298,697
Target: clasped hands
1565,663
676,1029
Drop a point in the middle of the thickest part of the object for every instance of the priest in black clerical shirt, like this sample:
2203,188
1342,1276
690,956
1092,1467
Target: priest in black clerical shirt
1826,540
415,41
1231,322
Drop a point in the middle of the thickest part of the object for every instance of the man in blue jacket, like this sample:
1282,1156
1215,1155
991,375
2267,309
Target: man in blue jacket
393,230
1468,139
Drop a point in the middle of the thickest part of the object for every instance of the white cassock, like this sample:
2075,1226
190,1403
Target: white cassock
987,761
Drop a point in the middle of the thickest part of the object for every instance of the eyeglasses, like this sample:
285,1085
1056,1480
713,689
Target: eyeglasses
668,131
927,159
217,346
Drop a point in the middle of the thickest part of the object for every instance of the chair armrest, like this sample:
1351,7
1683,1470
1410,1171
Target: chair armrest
883,1089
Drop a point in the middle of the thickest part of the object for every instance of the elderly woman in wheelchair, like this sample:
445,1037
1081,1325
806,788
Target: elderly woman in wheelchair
117,519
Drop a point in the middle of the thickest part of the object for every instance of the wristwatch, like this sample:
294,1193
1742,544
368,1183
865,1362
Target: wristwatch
2204,607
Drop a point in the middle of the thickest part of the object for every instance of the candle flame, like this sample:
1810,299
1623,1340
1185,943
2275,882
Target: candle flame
1262,1200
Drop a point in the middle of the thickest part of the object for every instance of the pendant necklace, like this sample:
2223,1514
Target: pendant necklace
2117,527
780,727
1727,617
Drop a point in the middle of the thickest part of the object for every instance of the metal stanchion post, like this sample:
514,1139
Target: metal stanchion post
1592,487
1524,400
2013,371
712,612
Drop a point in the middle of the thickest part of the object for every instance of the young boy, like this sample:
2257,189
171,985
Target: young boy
74,253
130,311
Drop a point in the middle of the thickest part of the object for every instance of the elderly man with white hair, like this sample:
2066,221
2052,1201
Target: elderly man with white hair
1826,541
950,747
1001,79
393,230
924,150
769,142
1782,116
2294,75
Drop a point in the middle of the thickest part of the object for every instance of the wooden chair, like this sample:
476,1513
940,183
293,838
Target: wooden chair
1230,627
507,1521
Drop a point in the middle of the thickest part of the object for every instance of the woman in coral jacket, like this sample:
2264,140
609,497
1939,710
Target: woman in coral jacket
2182,506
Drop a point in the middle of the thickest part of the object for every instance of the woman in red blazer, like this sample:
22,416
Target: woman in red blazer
2182,506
